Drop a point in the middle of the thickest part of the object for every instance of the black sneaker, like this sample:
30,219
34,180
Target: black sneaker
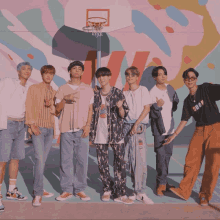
15,195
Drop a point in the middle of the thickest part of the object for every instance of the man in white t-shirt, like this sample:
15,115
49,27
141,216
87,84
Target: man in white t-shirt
165,101
139,101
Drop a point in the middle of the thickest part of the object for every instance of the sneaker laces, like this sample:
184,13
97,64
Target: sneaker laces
16,191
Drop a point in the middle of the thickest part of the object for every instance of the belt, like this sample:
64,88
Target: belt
16,119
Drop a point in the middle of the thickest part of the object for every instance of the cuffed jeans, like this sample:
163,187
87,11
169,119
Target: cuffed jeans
73,175
42,144
163,155
135,154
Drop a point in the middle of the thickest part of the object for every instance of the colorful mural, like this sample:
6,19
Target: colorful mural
144,33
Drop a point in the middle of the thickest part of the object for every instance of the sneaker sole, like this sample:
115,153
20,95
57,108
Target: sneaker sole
2,210
83,199
36,205
105,200
48,196
204,204
60,200
124,202
16,199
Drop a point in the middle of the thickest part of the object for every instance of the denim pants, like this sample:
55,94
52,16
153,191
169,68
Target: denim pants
135,155
73,175
12,141
42,144
163,154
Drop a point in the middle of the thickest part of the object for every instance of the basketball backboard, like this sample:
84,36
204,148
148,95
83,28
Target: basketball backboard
117,12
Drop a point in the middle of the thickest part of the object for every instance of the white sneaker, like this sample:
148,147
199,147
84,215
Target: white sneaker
106,196
47,194
144,198
64,196
132,197
124,199
83,196
37,201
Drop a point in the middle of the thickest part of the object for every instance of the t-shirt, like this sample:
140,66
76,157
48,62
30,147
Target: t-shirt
166,111
102,127
202,105
136,101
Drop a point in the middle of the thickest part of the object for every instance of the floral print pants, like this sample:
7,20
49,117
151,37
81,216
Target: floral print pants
119,168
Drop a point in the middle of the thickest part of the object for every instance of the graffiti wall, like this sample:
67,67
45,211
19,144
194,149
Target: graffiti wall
144,33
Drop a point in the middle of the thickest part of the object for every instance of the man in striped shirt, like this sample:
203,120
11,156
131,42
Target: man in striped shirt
40,111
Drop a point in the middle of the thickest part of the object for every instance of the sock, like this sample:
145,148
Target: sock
12,184
0,189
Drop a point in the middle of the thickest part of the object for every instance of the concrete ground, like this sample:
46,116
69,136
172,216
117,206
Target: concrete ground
167,207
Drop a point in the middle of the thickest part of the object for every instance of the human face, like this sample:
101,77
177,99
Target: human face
191,80
161,77
48,76
104,80
25,72
76,72
131,78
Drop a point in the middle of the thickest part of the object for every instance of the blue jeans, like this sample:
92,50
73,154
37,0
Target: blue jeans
73,174
42,144
12,141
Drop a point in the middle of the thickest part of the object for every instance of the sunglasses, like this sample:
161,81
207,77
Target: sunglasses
190,79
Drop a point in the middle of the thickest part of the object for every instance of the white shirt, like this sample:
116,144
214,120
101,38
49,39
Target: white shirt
166,108
136,101
102,127
12,100
74,87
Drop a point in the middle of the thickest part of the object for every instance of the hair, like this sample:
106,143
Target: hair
103,71
134,70
185,73
75,63
23,64
156,69
46,68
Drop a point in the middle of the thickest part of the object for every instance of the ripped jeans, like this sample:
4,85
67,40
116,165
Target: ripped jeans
135,156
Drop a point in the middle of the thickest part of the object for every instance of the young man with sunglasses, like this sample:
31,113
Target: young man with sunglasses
201,104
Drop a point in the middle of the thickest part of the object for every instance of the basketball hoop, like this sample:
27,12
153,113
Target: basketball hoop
95,26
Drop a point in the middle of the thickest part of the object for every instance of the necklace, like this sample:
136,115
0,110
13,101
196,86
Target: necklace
105,94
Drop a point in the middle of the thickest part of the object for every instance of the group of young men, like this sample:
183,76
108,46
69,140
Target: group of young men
104,117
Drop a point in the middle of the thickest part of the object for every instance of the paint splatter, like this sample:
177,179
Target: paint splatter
203,2
187,60
177,15
157,61
30,56
169,29
10,57
157,7
211,66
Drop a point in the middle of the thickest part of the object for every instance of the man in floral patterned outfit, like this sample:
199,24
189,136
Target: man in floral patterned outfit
109,110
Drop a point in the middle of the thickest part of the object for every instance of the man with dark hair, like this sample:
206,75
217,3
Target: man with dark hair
201,104
13,94
40,111
74,103
109,111
165,102
139,101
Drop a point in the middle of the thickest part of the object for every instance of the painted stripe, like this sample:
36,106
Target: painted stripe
114,64
90,67
139,61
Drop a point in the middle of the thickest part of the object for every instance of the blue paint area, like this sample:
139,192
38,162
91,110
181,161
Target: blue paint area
144,25
177,16
39,57
202,2
57,12
58,80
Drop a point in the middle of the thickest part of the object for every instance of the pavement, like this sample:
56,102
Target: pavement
167,207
